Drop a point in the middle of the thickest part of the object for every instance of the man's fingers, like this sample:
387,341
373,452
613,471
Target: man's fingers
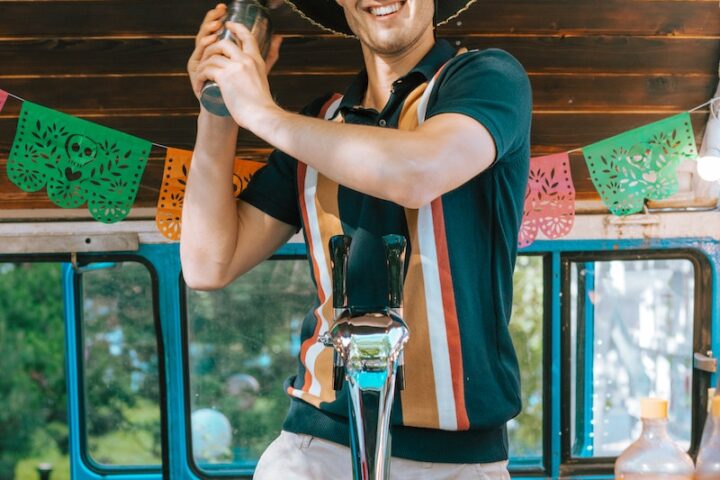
212,22
211,13
207,74
246,39
216,61
208,70
201,47
208,28
225,48
215,13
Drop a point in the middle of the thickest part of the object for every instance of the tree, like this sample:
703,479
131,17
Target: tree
526,328
32,360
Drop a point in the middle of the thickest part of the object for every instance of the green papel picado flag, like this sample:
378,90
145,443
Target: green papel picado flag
641,164
78,161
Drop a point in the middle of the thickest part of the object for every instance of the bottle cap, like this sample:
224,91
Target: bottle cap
653,408
715,406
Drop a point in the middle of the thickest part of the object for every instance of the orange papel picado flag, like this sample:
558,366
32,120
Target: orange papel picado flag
172,193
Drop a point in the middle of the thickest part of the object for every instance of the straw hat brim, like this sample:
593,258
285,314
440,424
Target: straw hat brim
328,15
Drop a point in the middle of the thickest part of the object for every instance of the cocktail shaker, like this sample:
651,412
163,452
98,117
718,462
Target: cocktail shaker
254,15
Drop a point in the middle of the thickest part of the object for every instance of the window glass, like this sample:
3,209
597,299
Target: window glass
242,344
526,327
33,419
631,337
120,365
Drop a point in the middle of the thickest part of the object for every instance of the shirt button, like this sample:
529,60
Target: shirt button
382,122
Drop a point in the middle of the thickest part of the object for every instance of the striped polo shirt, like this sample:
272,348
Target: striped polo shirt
462,376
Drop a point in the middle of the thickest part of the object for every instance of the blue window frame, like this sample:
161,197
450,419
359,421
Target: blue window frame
108,319
631,324
557,437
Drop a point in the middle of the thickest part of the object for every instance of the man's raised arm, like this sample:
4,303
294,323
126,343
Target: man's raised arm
222,238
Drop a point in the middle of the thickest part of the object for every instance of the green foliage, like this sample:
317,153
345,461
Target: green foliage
248,328
121,364
525,431
243,342
241,349
32,346
119,359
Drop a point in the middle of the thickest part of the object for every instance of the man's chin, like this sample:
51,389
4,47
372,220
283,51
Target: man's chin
386,42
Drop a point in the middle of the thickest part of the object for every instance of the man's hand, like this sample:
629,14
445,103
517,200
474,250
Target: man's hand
207,35
241,73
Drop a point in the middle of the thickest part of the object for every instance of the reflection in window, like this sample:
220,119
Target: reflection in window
242,344
33,420
120,363
631,336
526,327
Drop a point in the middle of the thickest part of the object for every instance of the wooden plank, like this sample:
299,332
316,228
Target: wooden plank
551,132
547,128
128,94
136,93
560,132
330,55
12,197
182,17
621,92
590,17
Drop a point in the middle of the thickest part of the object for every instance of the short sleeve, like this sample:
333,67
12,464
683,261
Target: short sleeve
273,189
492,87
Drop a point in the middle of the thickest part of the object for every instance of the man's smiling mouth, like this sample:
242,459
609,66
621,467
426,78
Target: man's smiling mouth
386,10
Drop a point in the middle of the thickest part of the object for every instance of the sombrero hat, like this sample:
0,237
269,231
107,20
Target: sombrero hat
328,15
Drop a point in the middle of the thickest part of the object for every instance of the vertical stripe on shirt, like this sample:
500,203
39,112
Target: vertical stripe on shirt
319,219
441,313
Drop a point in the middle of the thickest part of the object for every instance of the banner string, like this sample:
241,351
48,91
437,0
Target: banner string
15,96
574,150
23,100
160,145
709,102
712,100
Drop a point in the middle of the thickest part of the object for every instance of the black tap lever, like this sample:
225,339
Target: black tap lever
395,257
339,246
339,249
395,246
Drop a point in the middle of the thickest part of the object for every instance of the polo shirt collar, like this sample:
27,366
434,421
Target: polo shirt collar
440,53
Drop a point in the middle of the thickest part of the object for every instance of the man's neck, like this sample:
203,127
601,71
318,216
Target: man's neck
383,70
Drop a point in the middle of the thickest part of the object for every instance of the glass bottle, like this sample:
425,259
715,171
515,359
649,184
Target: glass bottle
708,461
654,456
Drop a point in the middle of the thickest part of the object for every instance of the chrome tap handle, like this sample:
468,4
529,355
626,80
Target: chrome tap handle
368,357
395,257
339,248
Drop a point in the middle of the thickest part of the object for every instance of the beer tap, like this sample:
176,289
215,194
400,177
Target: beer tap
368,345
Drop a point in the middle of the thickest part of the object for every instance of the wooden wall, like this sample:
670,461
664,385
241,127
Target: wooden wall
597,68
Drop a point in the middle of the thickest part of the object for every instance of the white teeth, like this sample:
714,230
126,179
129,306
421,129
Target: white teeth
386,10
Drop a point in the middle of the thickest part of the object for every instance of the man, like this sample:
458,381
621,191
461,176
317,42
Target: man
452,181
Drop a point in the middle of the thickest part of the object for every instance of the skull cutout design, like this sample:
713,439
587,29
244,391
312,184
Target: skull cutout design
81,150
78,161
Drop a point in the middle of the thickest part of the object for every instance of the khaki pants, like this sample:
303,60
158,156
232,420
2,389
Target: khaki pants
303,457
